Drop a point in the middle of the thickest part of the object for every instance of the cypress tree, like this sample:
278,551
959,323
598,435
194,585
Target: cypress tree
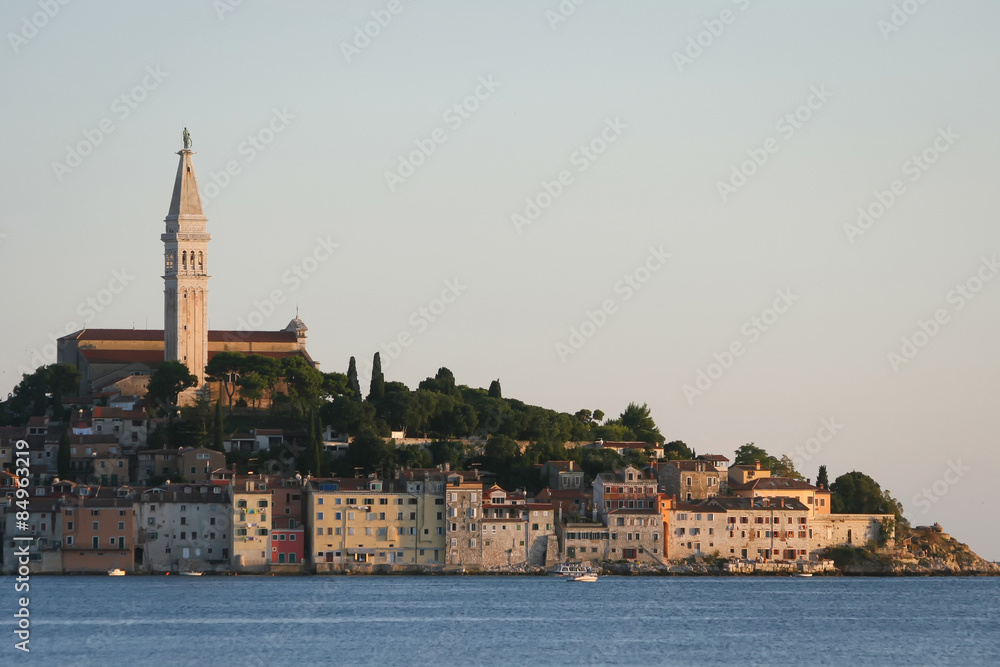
377,390
822,479
495,389
318,443
352,379
62,458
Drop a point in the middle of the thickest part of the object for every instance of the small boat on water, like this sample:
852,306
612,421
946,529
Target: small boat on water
569,570
802,574
190,574
587,577
117,572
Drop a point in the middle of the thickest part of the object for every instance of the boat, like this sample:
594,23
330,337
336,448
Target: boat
569,570
116,572
190,574
802,574
586,577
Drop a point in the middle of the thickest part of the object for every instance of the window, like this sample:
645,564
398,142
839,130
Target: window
319,516
319,501
121,525
383,501
399,516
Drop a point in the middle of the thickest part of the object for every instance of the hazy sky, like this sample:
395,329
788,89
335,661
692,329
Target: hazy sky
621,198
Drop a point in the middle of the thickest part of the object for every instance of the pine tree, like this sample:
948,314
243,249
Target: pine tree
352,379
377,390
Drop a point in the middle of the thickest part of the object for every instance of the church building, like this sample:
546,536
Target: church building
127,357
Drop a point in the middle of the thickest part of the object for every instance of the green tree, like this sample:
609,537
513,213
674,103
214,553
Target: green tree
749,453
376,390
304,383
63,457
225,368
494,391
169,380
63,379
786,468
822,479
677,450
637,418
352,379
857,493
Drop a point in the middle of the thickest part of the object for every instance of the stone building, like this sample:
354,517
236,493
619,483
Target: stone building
628,488
762,529
517,533
251,521
817,499
637,535
183,527
688,480
367,521
98,529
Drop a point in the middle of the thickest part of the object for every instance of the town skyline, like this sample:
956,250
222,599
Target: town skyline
326,157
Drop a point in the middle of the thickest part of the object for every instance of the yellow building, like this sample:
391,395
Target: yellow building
744,474
817,499
374,522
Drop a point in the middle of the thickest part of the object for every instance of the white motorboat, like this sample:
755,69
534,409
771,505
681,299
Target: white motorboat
587,577
117,572
190,574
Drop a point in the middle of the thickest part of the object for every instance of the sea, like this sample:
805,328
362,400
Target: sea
506,620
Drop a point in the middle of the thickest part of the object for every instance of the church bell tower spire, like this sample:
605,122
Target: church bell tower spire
185,256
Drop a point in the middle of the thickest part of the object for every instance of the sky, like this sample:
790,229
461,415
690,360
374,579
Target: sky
771,222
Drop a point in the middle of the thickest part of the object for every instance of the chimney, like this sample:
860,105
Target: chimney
782,503
757,463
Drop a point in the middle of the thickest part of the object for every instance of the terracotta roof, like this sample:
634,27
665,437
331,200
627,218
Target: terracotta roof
156,335
107,413
775,484
712,457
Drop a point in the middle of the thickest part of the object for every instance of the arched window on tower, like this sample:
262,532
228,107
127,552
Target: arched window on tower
184,260
201,261
171,260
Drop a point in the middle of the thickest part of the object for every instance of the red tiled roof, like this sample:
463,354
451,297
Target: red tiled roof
156,335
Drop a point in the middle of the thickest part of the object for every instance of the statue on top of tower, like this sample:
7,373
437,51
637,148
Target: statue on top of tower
187,139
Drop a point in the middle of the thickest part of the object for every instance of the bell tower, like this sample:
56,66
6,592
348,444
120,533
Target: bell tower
185,260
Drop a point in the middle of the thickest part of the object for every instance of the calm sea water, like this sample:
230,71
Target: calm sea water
251,621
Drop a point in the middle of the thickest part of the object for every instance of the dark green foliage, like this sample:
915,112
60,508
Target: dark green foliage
170,379
857,493
749,453
821,478
41,390
63,457
495,391
352,380
677,450
376,390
